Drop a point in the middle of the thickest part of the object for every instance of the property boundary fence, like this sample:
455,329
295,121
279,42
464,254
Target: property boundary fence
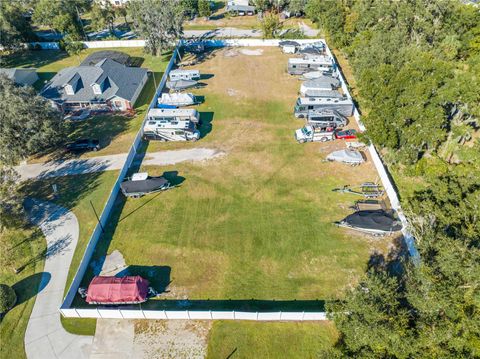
138,313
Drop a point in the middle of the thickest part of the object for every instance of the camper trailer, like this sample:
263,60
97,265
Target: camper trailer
304,105
320,83
326,118
178,74
176,130
299,66
177,99
323,93
174,114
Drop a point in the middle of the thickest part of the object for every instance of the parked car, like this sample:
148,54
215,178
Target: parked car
345,134
85,144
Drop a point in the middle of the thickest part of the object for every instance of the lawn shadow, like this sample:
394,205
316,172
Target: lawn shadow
30,286
158,276
32,59
205,125
206,76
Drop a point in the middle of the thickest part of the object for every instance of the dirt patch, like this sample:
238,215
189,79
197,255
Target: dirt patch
230,53
171,339
248,52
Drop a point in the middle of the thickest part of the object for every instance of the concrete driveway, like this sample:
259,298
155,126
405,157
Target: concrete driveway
45,336
112,162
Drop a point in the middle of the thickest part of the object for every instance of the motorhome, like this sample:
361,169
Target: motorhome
323,93
164,130
177,99
178,74
326,118
174,114
314,134
299,66
320,83
304,105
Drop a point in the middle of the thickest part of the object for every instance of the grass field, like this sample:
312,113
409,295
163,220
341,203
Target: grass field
256,223
20,248
115,132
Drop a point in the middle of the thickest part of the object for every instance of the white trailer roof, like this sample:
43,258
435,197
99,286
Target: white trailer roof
181,71
162,124
323,100
167,112
317,60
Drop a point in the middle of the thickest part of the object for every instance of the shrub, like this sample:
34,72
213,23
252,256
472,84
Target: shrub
8,298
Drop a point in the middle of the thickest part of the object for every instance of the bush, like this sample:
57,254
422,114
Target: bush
8,298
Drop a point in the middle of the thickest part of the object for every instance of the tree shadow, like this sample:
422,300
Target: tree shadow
393,262
30,286
34,59
158,276
205,125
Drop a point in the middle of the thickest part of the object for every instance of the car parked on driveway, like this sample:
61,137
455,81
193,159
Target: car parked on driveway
345,134
84,144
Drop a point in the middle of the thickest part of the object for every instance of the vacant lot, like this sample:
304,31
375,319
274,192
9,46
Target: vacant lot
115,132
256,223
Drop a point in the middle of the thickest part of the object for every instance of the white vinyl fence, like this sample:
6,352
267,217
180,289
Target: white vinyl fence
97,233
134,313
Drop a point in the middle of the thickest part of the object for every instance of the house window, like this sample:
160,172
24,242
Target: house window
69,90
97,89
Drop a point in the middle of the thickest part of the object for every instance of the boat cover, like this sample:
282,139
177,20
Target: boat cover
378,220
178,99
149,185
321,82
181,84
346,156
117,290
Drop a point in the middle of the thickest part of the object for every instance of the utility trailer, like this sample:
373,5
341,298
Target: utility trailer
314,134
175,130
299,66
141,184
304,105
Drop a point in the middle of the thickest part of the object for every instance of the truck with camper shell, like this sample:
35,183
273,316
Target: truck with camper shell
314,134
304,105
299,66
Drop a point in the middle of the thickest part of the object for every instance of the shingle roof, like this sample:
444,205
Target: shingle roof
116,80
19,76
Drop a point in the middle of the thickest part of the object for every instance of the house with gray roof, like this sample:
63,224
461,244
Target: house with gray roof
22,77
105,86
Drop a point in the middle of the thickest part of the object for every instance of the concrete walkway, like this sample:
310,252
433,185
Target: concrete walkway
45,336
111,162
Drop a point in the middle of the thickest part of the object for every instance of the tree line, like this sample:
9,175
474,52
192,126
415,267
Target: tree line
417,68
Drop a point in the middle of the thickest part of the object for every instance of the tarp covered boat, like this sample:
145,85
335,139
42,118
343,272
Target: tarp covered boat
141,184
117,290
351,157
181,84
372,221
177,99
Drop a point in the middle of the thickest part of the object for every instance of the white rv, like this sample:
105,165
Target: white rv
299,66
164,130
175,114
304,105
326,118
179,74
177,99
314,134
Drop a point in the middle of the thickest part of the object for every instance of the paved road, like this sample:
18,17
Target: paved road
112,162
45,336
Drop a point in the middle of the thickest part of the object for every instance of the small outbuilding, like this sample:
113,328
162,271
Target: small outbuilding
22,77
117,290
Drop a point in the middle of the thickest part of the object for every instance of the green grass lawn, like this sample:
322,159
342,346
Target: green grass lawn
21,248
256,223
269,340
115,132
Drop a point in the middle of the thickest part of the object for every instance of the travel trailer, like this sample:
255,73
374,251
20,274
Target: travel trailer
299,66
323,93
304,105
176,130
314,134
320,83
177,99
178,74
174,114
326,118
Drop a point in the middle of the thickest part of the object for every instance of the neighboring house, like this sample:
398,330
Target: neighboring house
106,85
22,77
240,7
